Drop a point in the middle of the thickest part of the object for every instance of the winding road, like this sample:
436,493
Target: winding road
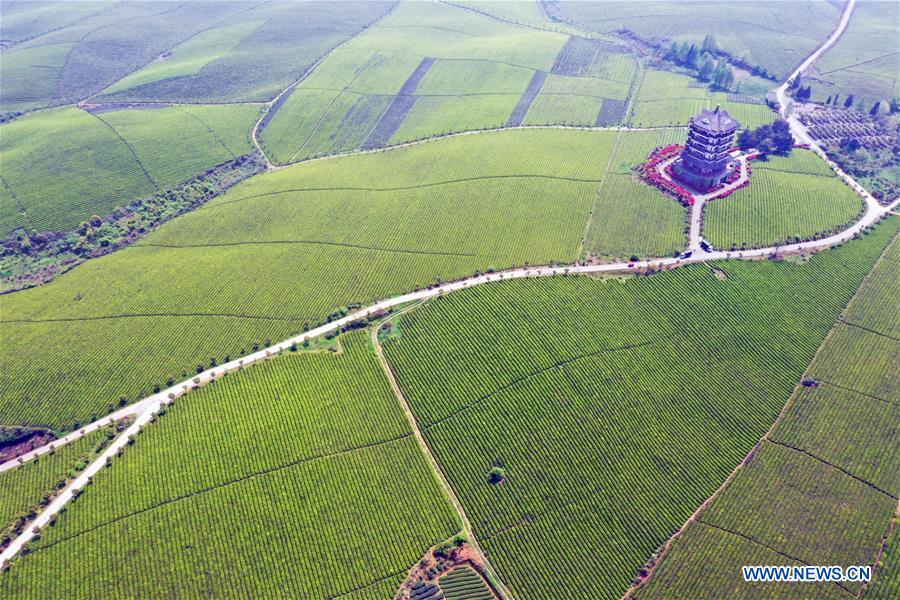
146,409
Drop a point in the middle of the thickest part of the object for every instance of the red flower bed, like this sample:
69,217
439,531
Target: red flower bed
650,174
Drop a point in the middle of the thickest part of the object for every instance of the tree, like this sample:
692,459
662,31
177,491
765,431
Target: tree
496,475
782,140
706,67
875,108
746,140
674,51
709,44
894,105
849,101
723,75
692,57
834,101
828,101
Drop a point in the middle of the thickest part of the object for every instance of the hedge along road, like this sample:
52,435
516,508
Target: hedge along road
147,408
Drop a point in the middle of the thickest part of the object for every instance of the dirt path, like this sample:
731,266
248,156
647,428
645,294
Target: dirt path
451,495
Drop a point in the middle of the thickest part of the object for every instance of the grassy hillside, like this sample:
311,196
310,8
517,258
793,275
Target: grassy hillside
823,487
287,249
864,61
774,35
195,52
616,416
297,477
64,165
789,199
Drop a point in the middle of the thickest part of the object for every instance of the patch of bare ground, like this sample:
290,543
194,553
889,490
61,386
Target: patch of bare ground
438,561
16,441
720,274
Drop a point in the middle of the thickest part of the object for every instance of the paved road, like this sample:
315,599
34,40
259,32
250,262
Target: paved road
147,408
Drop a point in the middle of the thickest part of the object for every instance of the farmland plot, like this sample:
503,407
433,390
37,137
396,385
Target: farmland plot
863,62
789,199
307,482
25,488
664,98
823,487
774,35
153,52
583,404
286,249
107,42
64,165
630,217
481,68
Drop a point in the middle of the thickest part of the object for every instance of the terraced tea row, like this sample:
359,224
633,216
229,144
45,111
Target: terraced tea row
829,472
611,418
299,476
789,199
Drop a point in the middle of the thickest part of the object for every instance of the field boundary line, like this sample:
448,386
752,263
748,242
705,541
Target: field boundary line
629,594
868,329
532,375
832,465
435,466
206,126
273,104
633,89
847,389
405,187
310,243
127,145
15,198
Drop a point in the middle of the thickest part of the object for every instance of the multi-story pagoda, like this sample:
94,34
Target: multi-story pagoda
705,160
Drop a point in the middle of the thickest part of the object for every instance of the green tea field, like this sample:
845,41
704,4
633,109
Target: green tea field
583,405
449,299
284,441
790,199
828,472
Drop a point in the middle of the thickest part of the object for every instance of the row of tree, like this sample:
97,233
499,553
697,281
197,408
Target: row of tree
803,94
701,59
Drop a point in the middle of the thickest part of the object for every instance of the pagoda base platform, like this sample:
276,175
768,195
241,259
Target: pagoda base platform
702,183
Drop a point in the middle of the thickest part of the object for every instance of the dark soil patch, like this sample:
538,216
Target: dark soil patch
400,106
611,112
528,96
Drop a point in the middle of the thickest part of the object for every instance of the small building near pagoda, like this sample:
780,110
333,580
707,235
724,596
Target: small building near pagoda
706,159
